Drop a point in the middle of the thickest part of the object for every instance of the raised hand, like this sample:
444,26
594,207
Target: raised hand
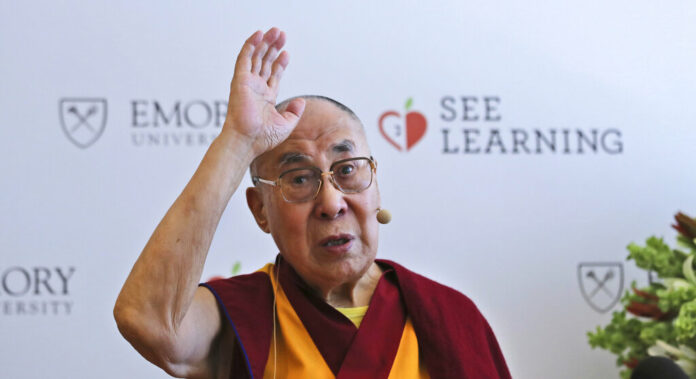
161,310
251,109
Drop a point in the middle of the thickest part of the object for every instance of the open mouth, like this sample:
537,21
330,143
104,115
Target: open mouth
336,240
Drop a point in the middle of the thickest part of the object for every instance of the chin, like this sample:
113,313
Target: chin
354,267
339,272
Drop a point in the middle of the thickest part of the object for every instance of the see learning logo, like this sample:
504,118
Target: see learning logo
403,132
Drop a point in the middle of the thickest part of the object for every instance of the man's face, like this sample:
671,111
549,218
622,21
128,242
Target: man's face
332,239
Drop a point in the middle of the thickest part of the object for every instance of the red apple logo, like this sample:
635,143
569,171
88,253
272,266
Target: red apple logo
403,135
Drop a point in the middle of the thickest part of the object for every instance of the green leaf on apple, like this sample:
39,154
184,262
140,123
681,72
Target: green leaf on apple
409,102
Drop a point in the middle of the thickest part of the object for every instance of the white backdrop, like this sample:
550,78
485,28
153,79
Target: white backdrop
509,229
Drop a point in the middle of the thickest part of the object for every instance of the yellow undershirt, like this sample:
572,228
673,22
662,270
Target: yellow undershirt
354,314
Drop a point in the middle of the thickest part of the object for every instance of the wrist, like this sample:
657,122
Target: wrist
237,143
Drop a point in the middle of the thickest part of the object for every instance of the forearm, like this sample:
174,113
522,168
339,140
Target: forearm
160,309
163,280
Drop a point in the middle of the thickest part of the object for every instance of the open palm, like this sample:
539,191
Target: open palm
253,92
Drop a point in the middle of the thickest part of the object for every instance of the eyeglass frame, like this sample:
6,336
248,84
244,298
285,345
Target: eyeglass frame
373,171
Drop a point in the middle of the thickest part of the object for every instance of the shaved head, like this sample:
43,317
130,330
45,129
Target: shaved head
281,106
253,167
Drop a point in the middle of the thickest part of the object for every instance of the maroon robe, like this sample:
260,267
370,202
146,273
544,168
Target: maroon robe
454,338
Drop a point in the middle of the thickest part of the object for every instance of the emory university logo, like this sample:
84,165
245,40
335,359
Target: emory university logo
601,284
83,119
403,132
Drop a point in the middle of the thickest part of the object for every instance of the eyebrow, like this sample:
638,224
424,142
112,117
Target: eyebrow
344,146
293,157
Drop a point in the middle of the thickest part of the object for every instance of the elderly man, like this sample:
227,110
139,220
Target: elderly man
327,307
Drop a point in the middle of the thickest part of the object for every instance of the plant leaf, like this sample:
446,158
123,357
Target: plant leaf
237,266
689,269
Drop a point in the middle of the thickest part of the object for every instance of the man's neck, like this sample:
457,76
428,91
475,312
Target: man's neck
353,293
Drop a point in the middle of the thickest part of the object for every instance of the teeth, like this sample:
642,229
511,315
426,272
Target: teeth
337,242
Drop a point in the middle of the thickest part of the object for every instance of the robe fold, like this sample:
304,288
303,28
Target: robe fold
414,328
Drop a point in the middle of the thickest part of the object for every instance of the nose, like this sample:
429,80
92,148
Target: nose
330,203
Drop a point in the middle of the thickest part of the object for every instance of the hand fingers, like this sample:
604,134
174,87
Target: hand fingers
244,57
268,39
271,55
277,70
294,110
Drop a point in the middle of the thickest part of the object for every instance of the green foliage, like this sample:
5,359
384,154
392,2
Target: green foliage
674,298
687,243
657,256
657,330
685,324
236,268
621,336
628,336
631,297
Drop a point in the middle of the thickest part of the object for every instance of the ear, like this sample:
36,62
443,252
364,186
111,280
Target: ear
257,208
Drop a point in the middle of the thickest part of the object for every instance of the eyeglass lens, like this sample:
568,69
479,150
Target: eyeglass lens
350,176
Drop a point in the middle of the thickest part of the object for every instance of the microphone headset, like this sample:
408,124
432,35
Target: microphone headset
383,216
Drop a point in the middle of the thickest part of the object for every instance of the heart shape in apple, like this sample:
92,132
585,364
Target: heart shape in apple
403,133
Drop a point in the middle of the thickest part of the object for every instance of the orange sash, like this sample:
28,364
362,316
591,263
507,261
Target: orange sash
294,354
313,339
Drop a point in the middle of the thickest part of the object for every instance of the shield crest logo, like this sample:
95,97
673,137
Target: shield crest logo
83,120
601,284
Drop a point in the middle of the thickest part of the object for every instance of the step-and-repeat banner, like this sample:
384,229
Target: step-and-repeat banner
520,146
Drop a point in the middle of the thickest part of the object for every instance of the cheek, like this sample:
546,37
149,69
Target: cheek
368,219
288,226
371,230
374,200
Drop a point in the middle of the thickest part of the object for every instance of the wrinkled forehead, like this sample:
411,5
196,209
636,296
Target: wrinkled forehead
324,134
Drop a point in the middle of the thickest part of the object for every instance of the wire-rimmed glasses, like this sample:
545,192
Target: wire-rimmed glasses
297,185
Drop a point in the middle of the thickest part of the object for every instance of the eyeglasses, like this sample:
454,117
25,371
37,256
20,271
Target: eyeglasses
297,185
